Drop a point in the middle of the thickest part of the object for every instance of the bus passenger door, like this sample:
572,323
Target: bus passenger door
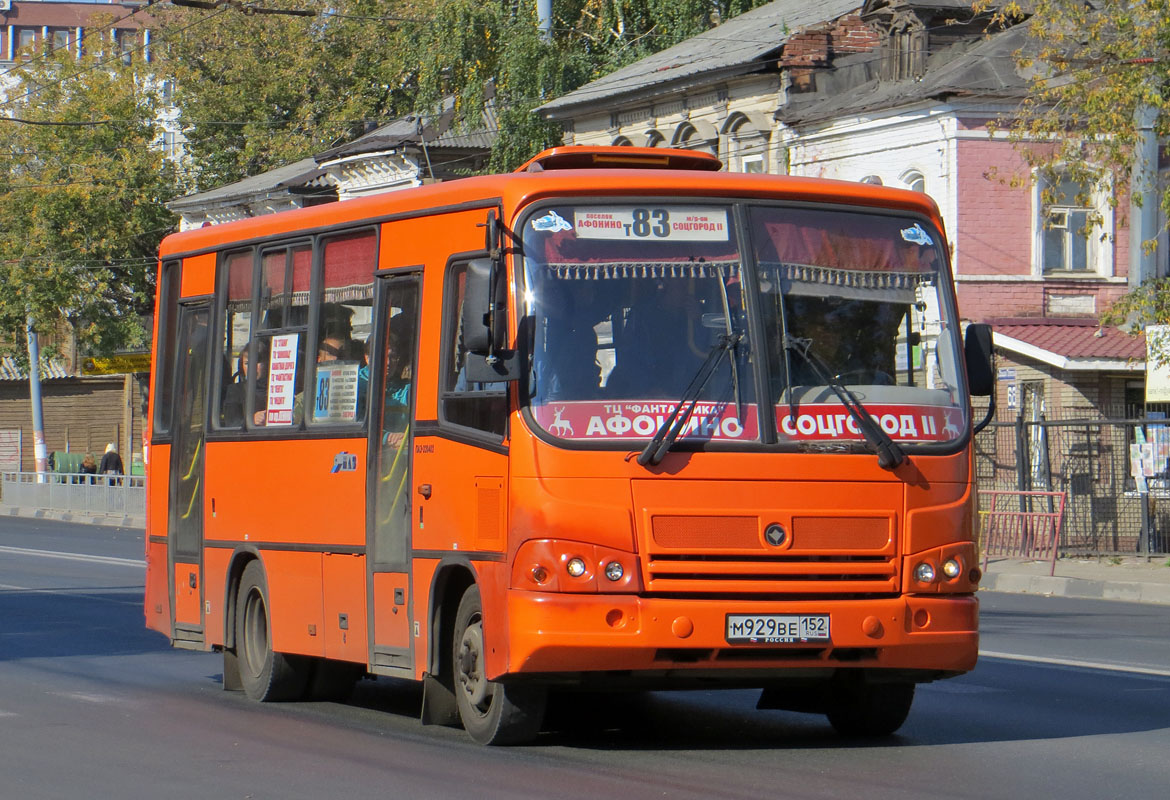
391,448
185,522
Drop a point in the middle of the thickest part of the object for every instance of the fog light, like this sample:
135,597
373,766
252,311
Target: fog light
952,568
540,574
576,567
924,573
614,571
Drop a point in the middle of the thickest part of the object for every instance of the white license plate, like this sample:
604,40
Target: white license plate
777,628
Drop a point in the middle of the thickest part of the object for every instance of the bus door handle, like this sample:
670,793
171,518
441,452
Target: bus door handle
425,490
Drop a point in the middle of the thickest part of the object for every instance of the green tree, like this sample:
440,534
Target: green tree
1092,66
256,90
83,183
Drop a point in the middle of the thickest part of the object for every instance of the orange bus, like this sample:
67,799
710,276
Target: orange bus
617,420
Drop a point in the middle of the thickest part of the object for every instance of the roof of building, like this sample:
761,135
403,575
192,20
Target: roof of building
1071,343
981,68
740,45
438,134
299,173
51,368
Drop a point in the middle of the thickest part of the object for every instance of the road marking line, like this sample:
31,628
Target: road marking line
1073,662
8,587
26,551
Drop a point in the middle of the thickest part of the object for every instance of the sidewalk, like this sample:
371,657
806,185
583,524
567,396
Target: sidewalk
119,520
1129,578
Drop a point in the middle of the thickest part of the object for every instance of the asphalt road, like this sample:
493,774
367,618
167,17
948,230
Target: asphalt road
1076,704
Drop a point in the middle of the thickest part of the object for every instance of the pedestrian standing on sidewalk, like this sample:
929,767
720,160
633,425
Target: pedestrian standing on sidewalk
111,464
88,467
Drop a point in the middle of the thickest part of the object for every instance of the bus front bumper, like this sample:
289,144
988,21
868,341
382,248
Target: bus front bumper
572,634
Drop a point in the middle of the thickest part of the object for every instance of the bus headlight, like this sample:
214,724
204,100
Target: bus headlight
558,565
952,568
924,572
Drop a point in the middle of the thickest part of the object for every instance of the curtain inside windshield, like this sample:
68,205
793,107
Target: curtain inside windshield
855,299
627,303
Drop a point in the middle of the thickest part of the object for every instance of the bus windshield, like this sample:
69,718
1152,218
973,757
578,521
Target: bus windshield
628,303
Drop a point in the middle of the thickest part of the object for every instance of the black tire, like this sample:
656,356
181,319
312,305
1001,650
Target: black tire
491,712
870,710
266,676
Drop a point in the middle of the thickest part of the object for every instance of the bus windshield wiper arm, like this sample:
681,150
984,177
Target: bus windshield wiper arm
666,435
890,455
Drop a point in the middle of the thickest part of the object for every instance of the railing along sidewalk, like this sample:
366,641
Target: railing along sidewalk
1021,524
76,492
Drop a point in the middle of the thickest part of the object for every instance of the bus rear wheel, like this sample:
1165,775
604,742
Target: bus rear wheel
860,709
265,675
491,712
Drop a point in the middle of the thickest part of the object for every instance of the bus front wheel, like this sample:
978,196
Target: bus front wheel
868,710
491,712
265,675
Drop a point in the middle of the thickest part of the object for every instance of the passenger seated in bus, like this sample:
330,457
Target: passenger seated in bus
235,396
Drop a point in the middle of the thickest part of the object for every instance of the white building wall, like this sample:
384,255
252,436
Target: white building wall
732,120
888,148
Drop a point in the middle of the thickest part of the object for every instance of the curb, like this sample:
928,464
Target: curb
114,520
1128,591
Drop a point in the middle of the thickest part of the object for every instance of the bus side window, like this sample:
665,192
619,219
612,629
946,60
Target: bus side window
481,406
236,316
168,322
281,334
344,326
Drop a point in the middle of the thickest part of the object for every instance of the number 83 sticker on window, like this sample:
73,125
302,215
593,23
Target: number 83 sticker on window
674,223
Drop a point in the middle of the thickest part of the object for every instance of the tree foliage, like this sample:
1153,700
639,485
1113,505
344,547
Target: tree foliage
257,86
83,184
1093,66
258,90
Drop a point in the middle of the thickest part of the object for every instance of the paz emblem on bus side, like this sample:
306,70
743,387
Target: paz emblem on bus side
344,462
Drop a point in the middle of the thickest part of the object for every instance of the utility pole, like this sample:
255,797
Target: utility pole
34,394
544,19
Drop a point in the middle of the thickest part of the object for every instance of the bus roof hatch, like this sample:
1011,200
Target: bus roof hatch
620,158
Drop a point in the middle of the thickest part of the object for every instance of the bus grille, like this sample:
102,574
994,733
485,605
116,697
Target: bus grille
727,555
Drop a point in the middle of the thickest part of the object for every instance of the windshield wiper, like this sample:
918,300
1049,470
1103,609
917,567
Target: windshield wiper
666,435
890,455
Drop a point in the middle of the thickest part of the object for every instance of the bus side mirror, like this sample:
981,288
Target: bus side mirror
484,321
477,307
980,363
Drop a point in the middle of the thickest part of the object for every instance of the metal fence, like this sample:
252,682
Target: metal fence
1108,510
1021,525
84,494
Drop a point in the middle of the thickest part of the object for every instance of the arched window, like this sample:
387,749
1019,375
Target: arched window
654,138
621,141
685,137
747,145
914,181
874,180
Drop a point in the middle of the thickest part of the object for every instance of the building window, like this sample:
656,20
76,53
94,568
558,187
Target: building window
1067,226
622,141
747,146
26,38
872,180
753,163
654,138
914,181
60,39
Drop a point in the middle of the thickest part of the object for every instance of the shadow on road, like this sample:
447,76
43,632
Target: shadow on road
54,623
1002,701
